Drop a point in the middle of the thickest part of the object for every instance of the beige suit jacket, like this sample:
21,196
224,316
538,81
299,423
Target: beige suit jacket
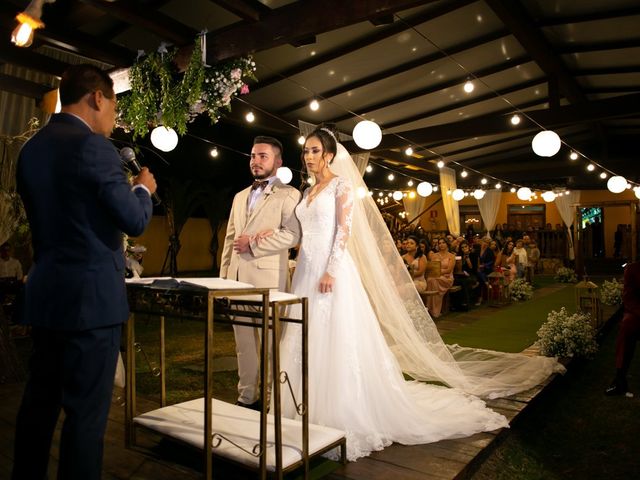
267,265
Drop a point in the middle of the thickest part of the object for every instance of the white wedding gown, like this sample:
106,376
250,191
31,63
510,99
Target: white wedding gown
355,381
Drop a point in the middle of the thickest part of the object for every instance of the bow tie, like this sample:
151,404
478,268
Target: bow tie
259,184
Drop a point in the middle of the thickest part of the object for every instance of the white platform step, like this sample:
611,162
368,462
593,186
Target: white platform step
185,422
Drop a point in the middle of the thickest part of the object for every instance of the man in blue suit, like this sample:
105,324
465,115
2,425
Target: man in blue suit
78,202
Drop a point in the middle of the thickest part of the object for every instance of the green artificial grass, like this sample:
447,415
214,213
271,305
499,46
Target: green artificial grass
512,328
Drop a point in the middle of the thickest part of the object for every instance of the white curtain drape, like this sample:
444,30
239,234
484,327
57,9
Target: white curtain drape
413,206
448,183
489,206
566,207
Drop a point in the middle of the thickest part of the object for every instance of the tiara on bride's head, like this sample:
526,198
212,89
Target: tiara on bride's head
333,135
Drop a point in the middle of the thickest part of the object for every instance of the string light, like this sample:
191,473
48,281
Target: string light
314,105
484,181
301,139
469,86
440,164
591,167
464,174
369,169
408,152
573,156
391,176
515,119
250,117
214,152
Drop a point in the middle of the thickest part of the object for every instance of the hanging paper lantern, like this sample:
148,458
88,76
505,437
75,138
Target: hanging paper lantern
458,194
478,194
617,184
524,193
546,143
367,134
424,189
284,174
637,192
397,195
163,138
548,196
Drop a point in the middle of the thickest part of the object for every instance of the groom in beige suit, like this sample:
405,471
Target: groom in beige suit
267,205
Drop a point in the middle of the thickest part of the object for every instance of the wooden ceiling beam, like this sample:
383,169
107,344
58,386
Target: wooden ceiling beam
86,45
293,21
148,19
249,10
20,86
492,124
583,47
588,17
516,19
24,57
398,69
581,72
379,35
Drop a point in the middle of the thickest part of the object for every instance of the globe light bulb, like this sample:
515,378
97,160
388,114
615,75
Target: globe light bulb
367,134
546,143
165,139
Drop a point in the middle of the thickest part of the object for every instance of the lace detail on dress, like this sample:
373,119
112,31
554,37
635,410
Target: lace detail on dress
344,217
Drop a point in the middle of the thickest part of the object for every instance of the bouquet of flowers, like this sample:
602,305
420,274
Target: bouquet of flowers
566,275
520,290
611,292
564,335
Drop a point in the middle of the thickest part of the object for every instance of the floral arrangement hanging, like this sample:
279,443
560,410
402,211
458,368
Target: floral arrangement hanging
611,292
565,275
564,335
520,290
161,95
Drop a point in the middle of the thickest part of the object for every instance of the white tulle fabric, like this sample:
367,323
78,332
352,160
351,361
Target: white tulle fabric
356,383
374,326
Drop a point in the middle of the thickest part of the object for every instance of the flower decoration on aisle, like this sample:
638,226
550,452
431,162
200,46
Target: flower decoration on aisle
520,290
564,335
611,292
161,95
566,275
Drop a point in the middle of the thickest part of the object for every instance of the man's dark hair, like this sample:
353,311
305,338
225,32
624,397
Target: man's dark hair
274,142
78,80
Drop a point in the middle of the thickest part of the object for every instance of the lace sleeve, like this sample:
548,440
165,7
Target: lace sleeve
344,212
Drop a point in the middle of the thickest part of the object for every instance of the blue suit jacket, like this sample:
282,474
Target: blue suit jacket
78,203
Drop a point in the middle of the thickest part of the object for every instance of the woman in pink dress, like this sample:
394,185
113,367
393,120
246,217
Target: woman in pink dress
442,283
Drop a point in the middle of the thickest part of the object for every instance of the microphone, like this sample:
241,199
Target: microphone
129,157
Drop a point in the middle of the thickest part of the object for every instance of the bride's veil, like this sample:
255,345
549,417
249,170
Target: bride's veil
408,328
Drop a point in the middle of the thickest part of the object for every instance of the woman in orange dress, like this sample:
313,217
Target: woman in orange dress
442,283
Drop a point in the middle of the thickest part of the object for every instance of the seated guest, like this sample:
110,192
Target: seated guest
533,255
521,255
495,248
423,243
9,266
416,263
507,262
442,283
468,279
485,262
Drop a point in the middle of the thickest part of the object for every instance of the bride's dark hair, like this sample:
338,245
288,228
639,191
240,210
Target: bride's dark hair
329,145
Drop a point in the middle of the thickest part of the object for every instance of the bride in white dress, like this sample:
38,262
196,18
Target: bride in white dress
365,328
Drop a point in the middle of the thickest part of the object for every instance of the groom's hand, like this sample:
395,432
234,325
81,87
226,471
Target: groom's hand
241,244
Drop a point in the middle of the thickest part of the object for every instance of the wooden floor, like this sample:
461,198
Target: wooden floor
449,459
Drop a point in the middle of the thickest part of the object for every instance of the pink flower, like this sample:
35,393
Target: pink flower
244,89
236,74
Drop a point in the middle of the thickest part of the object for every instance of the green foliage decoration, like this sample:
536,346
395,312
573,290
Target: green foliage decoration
160,95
